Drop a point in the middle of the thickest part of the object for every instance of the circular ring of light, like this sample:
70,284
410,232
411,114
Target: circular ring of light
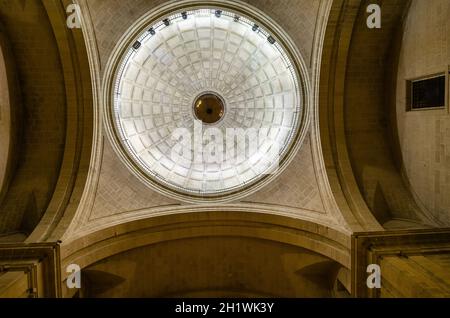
126,75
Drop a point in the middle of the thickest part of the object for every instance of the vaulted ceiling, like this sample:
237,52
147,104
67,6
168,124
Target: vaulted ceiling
63,178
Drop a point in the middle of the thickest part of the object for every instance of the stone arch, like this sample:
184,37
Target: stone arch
354,114
174,231
92,246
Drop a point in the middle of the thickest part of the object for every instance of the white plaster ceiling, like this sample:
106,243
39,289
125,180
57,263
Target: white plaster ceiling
157,84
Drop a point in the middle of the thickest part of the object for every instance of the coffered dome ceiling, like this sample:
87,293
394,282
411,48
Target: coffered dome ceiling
204,72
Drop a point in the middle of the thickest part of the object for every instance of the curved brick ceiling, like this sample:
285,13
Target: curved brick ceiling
177,60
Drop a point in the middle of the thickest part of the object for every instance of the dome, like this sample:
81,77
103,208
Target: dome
206,102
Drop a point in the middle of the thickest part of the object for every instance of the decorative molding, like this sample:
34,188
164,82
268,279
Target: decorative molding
40,262
370,248
328,199
83,210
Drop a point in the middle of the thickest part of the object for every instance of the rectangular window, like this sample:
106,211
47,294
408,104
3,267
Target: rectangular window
427,93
